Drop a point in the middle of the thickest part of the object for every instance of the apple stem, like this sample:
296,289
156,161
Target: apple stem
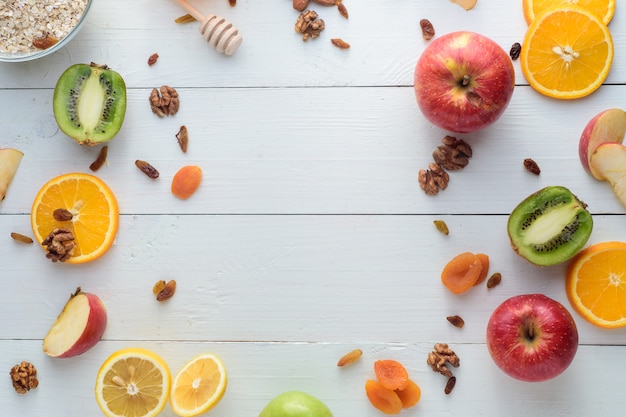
466,80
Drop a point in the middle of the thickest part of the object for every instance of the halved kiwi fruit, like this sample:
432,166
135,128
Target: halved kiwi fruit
549,226
89,103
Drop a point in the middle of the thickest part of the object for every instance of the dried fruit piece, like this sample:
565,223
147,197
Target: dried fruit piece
45,42
153,59
62,215
147,169
410,395
484,260
232,3
450,385
494,280
391,374
343,10
183,138
158,286
326,2
101,159
516,49
531,166
21,238
350,357
382,398
187,18
428,30
340,43
186,181
456,321
300,5
167,291
461,272
441,226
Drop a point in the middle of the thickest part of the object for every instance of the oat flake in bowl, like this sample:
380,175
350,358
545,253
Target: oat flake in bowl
50,24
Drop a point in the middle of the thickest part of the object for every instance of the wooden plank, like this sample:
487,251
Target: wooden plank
386,42
284,278
328,150
259,371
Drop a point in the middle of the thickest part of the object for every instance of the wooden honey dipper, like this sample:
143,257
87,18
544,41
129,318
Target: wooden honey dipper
217,31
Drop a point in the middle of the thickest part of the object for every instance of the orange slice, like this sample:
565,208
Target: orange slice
199,385
604,9
95,214
567,52
596,284
133,382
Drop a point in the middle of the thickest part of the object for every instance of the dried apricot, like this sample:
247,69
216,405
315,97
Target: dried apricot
410,395
461,272
186,181
484,260
383,399
392,374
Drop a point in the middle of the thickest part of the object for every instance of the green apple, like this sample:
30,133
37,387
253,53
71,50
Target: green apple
295,404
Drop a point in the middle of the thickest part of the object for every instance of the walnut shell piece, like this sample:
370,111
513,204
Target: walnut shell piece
309,25
24,377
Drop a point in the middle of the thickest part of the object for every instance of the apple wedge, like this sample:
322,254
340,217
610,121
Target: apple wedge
608,162
78,327
9,162
607,126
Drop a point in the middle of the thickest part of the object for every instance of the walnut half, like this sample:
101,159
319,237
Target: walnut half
24,377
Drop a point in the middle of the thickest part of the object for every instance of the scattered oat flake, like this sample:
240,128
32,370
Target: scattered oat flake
441,226
350,357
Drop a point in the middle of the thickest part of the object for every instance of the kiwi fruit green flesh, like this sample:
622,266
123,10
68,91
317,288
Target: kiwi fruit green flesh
550,226
89,103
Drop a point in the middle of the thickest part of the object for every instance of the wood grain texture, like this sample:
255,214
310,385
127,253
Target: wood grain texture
309,235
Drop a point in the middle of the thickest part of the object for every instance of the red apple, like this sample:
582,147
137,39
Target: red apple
78,328
606,126
532,337
463,81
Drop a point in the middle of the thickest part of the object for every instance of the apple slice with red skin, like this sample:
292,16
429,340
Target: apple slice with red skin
607,126
78,328
608,161
532,337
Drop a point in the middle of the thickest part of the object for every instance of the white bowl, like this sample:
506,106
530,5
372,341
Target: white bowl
29,56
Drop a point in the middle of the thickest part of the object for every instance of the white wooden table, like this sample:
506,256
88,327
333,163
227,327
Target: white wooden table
309,236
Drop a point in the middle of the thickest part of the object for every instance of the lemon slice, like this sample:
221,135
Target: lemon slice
199,385
133,382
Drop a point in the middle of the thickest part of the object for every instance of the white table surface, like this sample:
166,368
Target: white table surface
309,236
